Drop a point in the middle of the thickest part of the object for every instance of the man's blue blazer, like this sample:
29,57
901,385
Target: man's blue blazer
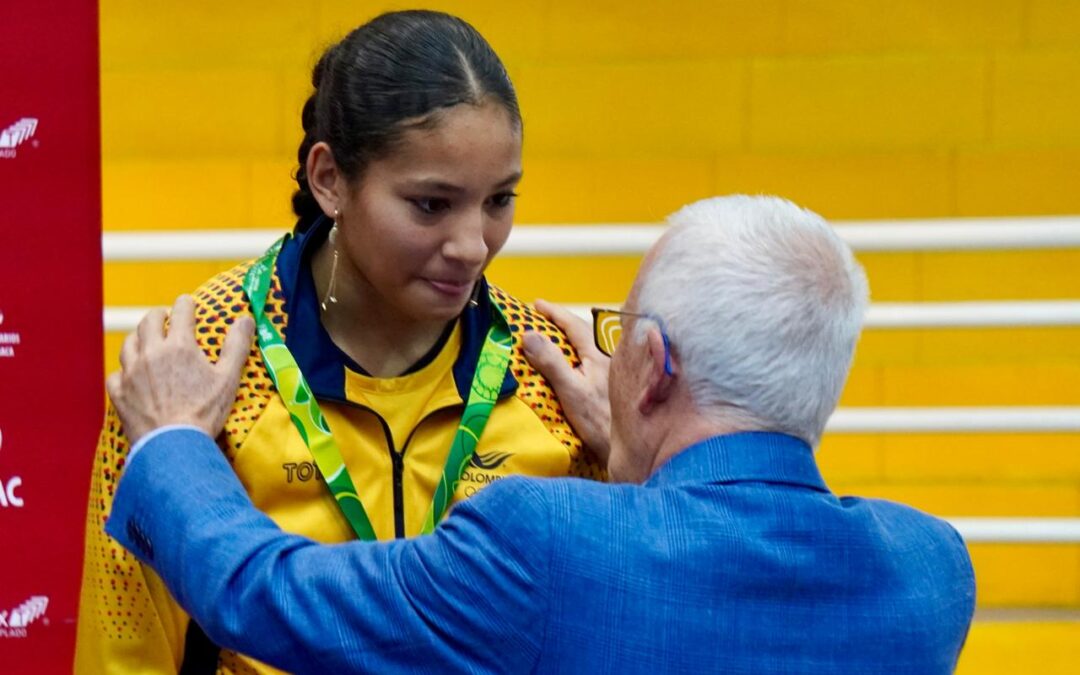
734,557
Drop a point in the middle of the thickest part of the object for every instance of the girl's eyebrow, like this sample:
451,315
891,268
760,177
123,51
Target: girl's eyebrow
442,186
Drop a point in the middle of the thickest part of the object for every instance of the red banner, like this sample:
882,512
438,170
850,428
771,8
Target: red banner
51,392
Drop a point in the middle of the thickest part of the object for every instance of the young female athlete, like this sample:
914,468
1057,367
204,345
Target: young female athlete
387,381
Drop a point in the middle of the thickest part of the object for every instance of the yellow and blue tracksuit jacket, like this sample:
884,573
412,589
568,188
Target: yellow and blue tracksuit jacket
394,435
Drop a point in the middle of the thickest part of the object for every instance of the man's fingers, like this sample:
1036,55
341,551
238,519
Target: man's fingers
112,385
129,351
578,331
151,328
227,371
583,393
237,346
182,319
549,360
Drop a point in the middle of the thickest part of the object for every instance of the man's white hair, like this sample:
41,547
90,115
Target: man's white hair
763,304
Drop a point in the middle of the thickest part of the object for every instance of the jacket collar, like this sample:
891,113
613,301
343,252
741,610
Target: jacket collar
321,361
750,456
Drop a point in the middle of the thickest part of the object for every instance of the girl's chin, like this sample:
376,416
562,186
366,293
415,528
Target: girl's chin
439,309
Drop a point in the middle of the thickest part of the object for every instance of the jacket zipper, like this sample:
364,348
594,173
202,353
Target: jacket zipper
397,459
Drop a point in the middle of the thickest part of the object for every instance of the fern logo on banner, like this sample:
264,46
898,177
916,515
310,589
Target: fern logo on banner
14,623
15,135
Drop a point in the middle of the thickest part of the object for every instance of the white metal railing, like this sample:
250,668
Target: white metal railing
635,238
973,314
123,319
956,419
963,234
1018,530
881,316
909,315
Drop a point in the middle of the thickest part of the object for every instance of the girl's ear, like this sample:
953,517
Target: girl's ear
327,183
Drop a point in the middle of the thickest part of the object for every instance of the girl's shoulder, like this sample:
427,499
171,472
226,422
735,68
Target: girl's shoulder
218,303
523,317
533,390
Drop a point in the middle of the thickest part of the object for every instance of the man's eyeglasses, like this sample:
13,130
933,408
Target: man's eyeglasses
608,330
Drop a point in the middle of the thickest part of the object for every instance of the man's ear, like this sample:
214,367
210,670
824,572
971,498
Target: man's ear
326,181
658,383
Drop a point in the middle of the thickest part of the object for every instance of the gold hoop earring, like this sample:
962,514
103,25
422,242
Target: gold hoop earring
330,297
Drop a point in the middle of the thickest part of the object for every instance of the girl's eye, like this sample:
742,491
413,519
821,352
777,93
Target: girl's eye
503,199
431,206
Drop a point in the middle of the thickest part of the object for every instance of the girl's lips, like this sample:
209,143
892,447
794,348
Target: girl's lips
451,288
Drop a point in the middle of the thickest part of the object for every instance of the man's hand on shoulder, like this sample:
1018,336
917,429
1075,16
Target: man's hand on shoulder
165,378
582,391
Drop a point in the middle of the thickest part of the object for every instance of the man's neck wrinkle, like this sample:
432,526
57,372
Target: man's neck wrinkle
682,431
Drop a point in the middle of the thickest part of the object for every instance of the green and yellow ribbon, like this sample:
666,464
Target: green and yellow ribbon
308,419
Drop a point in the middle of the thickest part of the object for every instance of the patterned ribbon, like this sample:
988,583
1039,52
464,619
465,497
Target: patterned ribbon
310,422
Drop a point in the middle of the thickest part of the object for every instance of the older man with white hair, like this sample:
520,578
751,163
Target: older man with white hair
720,549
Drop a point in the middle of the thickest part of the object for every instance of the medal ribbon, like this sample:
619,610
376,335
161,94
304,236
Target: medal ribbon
310,422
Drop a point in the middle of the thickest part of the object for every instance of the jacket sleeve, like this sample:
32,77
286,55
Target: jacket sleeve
127,621
471,596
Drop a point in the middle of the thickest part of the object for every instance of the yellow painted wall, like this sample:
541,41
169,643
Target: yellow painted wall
1046,647
859,109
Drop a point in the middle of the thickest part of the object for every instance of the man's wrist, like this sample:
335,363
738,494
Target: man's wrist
141,443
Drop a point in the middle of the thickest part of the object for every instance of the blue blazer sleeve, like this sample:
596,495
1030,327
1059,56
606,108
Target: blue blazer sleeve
470,597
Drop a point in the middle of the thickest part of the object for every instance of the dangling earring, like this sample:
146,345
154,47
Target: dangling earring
330,297
474,299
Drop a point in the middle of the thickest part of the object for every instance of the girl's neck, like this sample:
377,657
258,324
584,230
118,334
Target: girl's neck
382,340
